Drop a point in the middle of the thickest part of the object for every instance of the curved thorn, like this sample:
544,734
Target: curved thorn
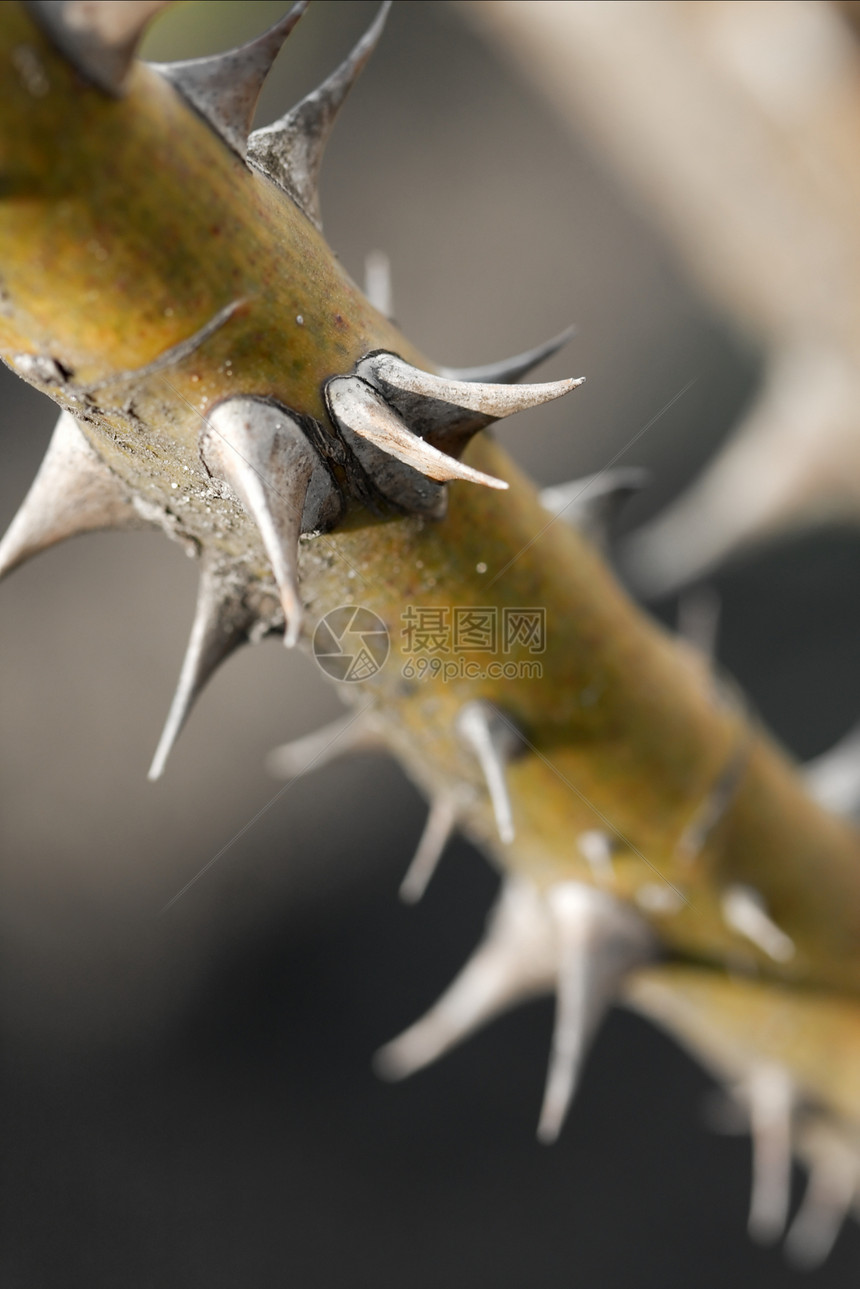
225,88
359,409
261,452
510,370
771,1101
495,742
599,940
221,624
745,913
513,962
489,400
74,492
99,40
592,504
833,1180
313,751
441,822
377,282
291,150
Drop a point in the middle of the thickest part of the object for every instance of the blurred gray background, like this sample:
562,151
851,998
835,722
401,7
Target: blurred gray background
187,1099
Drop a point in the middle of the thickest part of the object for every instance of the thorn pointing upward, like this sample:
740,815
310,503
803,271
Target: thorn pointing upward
510,370
291,150
74,492
224,88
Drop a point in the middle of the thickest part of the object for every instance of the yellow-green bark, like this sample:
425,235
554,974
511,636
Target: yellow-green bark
126,227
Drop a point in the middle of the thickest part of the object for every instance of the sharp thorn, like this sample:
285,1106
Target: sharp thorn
377,283
599,940
340,737
74,492
441,822
99,40
224,88
513,962
771,1101
261,452
494,742
222,621
391,373
592,504
510,370
291,150
744,912
361,411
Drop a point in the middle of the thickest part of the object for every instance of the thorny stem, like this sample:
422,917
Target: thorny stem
126,228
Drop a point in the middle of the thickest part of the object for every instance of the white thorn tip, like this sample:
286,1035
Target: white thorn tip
830,1191
598,941
347,734
359,409
745,913
771,1101
513,962
595,847
441,822
489,400
494,742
